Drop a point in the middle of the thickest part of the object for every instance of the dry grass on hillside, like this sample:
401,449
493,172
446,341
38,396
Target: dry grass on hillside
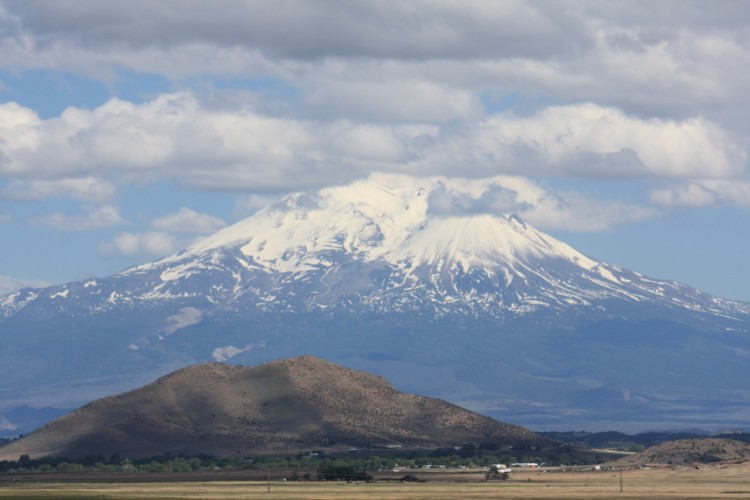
691,451
283,406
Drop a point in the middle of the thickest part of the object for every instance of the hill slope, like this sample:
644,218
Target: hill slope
282,406
690,451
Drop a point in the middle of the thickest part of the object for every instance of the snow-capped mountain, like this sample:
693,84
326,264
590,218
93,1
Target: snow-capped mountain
393,275
374,246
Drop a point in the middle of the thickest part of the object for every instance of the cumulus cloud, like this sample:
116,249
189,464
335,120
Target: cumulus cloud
574,211
592,141
691,195
392,101
301,30
151,244
176,135
703,193
188,221
9,284
93,218
578,89
496,199
544,208
87,189
676,59
184,317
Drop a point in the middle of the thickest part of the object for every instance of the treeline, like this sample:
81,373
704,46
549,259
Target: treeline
163,463
327,466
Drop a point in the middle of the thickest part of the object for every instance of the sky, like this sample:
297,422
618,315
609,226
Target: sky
128,129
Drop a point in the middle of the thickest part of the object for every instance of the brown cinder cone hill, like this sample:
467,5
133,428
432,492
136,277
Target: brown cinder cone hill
282,406
691,451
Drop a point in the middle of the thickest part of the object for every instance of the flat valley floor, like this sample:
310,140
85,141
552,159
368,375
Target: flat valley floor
707,481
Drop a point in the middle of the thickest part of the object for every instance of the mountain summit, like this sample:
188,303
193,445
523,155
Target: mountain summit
414,279
396,244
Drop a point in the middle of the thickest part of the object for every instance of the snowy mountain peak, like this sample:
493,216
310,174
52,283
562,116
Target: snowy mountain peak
388,244
396,219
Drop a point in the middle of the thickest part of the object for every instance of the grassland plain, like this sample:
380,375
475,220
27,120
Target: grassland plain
705,482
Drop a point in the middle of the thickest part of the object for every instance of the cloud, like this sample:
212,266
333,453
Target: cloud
151,244
94,218
329,93
409,100
188,221
227,352
573,211
543,207
247,205
184,317
703,193
5,218
175,135
87,189
496,199
675,60
299,30
691,195
9,284
591,141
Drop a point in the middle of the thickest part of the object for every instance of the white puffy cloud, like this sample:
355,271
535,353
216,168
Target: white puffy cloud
176,135
87,189
691,195
392,101
674,60
495,199
703,193
585,89
93,218
188,221
545,208
588,140
300,30
574,211
151,244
